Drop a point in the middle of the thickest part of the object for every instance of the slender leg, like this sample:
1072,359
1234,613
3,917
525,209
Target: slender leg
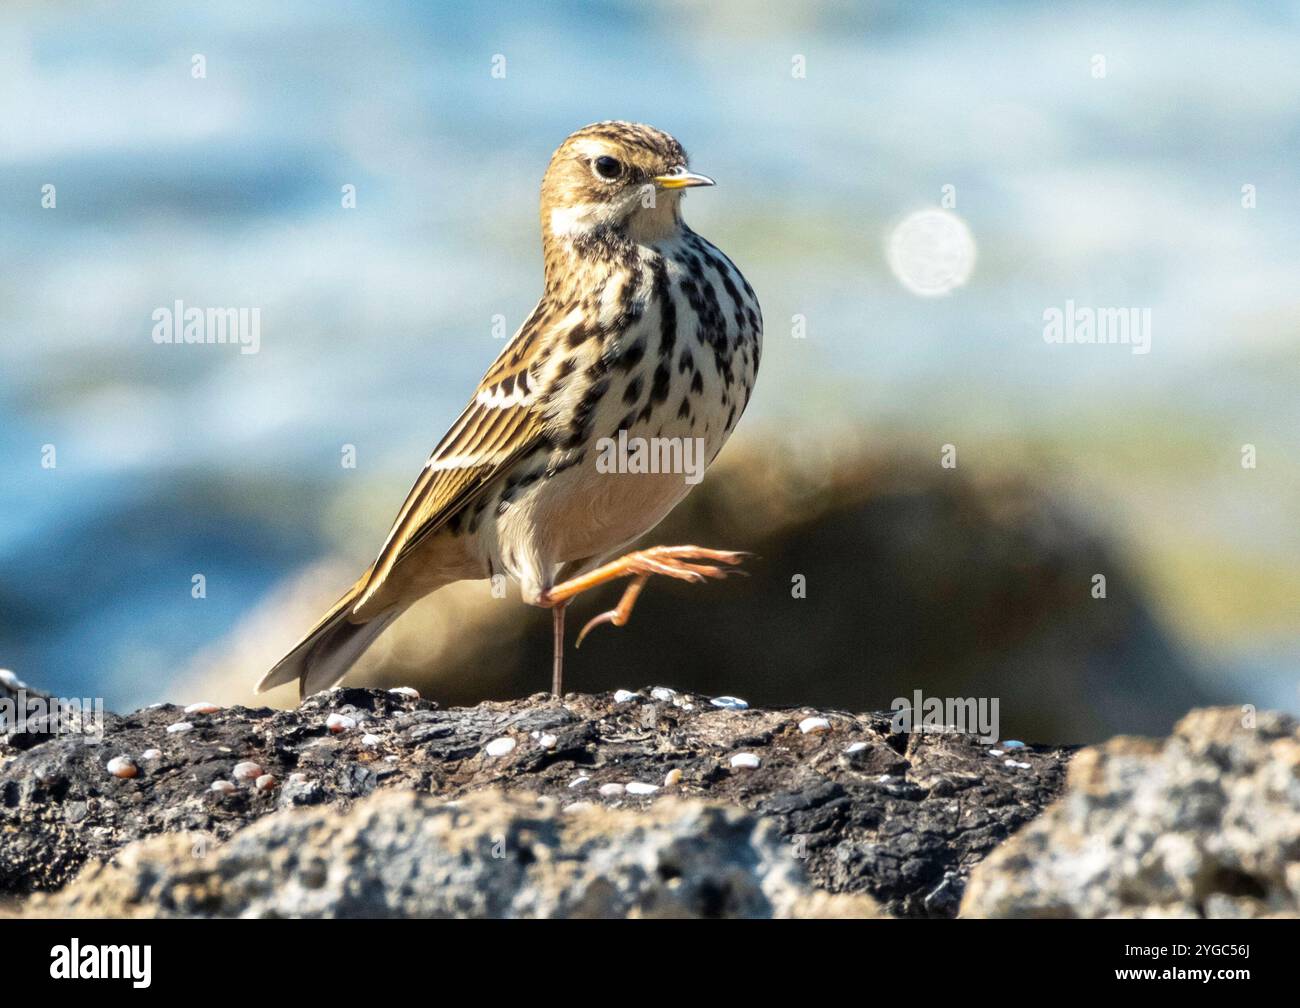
670,561
557,669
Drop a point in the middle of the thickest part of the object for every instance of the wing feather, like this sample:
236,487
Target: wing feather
495,429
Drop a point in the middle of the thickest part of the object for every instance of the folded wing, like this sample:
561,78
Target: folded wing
502,423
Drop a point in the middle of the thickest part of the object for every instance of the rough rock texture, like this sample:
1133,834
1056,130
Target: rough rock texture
1205,823
401,854
903,818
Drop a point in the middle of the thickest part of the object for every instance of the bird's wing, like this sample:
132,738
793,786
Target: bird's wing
503,422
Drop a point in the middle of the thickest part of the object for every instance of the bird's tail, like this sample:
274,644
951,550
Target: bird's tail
323,657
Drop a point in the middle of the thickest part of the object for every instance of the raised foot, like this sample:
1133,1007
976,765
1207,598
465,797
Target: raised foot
686,563
676,561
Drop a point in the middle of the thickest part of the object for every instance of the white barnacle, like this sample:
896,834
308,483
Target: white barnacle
247,771
500,746
814,724
338,723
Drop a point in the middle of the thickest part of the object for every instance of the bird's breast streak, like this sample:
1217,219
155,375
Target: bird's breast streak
678,372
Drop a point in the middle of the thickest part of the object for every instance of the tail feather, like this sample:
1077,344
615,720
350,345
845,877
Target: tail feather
322,658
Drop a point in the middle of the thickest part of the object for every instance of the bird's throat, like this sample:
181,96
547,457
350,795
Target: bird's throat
575,244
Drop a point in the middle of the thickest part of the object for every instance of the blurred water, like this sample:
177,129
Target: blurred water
225,191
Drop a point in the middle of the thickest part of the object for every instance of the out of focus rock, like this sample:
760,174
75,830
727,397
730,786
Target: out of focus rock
1203,824
403,854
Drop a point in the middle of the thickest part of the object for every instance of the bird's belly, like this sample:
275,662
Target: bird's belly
606,510
624,486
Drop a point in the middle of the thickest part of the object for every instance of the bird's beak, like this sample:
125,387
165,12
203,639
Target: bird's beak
680,178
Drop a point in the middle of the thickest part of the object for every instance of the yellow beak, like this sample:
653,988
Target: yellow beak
682,179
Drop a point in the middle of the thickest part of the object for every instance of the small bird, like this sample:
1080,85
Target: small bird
646,334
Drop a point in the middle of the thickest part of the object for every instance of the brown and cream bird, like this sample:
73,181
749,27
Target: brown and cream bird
645,331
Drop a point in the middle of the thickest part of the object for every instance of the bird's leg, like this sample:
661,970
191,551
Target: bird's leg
620,614
557,668
686,563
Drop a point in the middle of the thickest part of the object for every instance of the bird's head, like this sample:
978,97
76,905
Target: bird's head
615,180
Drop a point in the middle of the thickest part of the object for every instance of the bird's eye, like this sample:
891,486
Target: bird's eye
608,167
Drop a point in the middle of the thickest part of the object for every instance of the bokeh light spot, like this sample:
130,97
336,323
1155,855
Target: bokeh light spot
932,252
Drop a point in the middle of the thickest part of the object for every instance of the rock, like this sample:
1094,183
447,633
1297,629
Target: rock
1203,824
902,818
29,716
404,854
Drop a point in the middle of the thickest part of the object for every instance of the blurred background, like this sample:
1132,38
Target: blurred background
1111,183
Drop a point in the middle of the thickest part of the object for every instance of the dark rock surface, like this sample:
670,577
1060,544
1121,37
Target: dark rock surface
903,818
29,716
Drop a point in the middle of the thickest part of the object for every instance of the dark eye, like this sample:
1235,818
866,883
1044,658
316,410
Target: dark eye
608,167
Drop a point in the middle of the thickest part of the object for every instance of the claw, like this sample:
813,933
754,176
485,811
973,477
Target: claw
609,616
